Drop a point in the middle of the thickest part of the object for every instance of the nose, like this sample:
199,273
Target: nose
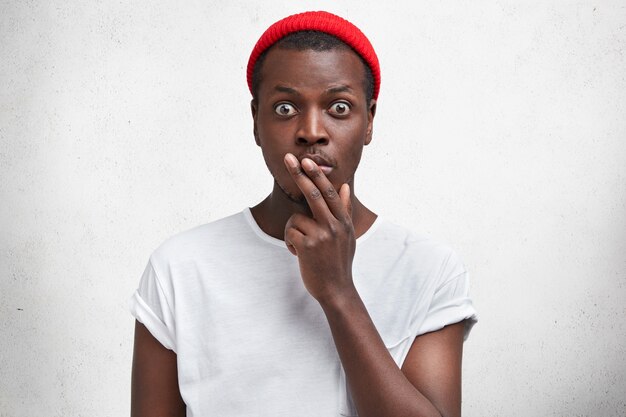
311,130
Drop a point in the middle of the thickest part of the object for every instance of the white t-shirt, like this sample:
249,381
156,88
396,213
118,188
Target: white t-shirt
251,341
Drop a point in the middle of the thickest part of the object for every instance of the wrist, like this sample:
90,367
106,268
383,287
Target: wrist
341,300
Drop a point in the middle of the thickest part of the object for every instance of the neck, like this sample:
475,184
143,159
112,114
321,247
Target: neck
272,213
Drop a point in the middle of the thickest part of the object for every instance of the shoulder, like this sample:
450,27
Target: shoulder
406,277
421,250
200,240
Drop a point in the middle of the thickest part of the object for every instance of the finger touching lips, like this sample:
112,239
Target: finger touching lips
309,165
326,169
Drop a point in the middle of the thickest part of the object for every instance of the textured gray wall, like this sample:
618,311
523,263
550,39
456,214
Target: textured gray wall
501,129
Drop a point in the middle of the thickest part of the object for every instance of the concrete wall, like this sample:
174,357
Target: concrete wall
501,128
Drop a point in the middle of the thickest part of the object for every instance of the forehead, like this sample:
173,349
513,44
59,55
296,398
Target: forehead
310,69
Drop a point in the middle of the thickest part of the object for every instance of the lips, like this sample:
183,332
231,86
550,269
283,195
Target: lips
325,165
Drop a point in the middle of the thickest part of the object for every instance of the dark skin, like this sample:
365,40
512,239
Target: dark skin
312,120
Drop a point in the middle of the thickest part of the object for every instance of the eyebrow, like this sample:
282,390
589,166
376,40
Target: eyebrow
284,89
340,89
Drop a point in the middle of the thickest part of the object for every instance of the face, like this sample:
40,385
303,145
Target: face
312,104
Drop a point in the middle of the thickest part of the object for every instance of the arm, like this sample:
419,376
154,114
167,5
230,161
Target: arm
154,386
429,382
433,366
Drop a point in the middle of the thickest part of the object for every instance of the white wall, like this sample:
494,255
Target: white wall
501,129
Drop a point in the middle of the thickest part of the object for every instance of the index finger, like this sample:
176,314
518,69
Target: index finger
319,192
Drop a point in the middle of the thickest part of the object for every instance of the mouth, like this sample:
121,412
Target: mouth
326,169
325,165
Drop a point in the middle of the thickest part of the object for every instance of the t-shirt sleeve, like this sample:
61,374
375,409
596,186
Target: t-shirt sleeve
149,305
451,302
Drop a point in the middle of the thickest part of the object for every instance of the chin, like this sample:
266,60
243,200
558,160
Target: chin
297,197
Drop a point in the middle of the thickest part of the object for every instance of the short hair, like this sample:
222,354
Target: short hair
311,40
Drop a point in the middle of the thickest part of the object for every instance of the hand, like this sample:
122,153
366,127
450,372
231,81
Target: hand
324,244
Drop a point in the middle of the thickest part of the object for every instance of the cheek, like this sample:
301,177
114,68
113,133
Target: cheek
274,138
355,158
274,160
353,146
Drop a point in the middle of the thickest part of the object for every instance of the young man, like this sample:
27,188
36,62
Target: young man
306,304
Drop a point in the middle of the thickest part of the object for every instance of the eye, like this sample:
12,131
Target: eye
285,109
340,108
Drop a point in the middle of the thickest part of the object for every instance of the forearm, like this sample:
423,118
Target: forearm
378,386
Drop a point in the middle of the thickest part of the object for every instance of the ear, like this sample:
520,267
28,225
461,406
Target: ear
255,111
371,112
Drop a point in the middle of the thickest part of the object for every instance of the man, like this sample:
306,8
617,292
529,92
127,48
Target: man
306,304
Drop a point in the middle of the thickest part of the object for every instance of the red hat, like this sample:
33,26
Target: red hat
321,22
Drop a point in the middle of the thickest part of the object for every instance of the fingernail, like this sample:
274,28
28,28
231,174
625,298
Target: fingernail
308,164
291,160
